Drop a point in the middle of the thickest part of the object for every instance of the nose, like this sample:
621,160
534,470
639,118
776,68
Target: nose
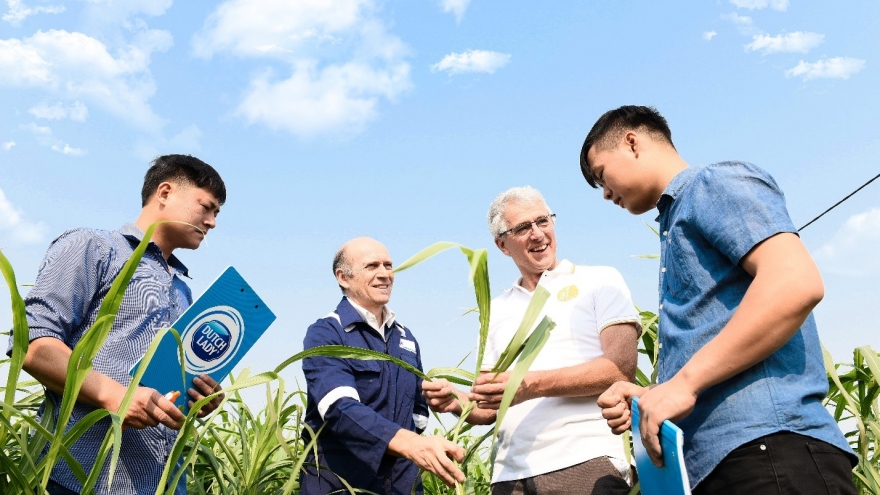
211,221
386,273
606,193
535,232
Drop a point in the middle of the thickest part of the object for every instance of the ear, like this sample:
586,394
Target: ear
340,278
499,241
631,142
164,190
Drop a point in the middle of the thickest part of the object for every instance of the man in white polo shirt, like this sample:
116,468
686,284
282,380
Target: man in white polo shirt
553,439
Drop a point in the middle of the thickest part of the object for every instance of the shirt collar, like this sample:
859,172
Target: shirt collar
132,232
368,318
674,187
564,267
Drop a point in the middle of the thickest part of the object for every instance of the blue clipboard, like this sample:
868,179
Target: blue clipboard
672,478
216,332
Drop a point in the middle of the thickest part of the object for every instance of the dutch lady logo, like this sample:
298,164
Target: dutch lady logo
212,339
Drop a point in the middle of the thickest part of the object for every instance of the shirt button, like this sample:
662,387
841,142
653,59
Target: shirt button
659,345
661,307
665,232
763,447
663,269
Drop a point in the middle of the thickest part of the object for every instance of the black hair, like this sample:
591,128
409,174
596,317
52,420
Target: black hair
182,169
613,124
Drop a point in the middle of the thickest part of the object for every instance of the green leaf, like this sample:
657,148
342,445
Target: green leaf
531,348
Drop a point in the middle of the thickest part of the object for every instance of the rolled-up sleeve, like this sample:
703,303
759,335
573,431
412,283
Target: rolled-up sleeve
67,285
333,384
614,305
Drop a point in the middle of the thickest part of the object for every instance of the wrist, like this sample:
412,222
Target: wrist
690,380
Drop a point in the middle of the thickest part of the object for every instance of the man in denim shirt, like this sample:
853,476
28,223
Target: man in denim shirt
740,364
78,270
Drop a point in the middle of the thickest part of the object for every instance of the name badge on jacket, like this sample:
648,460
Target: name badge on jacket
408,345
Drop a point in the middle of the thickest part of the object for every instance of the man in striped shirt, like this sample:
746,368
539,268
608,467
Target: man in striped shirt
78,270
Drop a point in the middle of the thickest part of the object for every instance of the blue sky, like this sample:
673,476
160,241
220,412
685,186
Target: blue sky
402,120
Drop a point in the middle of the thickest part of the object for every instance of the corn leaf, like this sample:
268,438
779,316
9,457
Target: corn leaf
515,346
530,350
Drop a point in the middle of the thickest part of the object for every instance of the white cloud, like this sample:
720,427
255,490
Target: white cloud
852,250
708,35
113,14
455,7
18,11
780,5
798,41
8,145
76,111
14,226
338,62
743,23
66,149
75,66
318,101
472,61
37,130
46,138
830,68
187,139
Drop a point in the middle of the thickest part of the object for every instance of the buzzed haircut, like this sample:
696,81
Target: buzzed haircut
613,124
182,169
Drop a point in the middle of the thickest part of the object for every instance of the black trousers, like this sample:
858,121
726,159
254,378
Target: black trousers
784,463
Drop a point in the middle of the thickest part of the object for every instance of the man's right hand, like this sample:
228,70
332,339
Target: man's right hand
149,408
432,453
615,403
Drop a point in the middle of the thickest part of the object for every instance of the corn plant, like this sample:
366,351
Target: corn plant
853,399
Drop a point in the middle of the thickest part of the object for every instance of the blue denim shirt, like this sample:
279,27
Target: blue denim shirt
76,274
710,218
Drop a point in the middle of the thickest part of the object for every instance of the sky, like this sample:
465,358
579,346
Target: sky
402,120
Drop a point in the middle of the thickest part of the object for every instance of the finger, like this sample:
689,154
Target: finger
620,424
455,451
206,385
452,472
609,398
651,441
164,411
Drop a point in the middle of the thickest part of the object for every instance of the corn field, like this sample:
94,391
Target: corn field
237,450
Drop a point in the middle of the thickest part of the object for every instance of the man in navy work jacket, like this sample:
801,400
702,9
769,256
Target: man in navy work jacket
372,412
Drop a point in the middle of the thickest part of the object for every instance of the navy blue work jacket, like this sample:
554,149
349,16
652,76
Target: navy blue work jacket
361,404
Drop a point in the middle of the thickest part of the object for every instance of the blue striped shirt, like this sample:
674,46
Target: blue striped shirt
73,280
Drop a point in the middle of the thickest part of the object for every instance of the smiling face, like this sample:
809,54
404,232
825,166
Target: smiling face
371,279
535,252
625,177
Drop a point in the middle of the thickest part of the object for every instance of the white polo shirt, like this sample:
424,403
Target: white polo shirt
551,433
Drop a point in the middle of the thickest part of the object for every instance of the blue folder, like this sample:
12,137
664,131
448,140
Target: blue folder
216,332
672,478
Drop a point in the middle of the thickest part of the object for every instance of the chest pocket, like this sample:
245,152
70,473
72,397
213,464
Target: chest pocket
677,280
368,379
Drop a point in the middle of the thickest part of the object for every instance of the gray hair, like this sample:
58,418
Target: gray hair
341,262
519,195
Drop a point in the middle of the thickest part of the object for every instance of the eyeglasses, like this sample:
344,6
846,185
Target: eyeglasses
542,222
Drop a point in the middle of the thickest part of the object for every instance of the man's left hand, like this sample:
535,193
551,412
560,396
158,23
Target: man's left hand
488,390
205,386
